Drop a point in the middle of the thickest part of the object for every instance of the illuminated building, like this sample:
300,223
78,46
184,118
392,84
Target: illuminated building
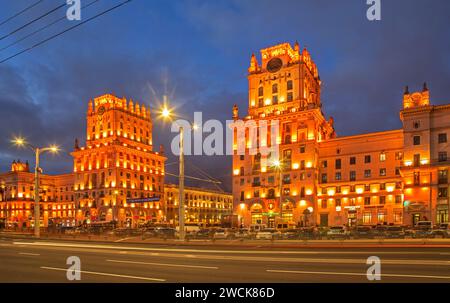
376,178
202,206
117,170
17,198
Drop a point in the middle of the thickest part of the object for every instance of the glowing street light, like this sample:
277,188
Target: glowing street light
278,165
21,142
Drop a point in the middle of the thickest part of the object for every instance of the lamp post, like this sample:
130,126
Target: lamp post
3,187
166,113
37,152
278,165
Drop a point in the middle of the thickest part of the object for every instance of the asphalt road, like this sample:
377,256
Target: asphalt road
28,260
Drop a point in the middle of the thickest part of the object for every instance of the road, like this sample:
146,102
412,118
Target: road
29,260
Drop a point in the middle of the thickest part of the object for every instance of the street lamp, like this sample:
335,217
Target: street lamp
3,187
167,114
21,142
278,165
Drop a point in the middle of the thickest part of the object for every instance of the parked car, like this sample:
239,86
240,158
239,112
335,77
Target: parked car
337,232
379,231
242,233
165,232
423,229
309,233
222,233
203,234
443,230
395,232
361,232
291,234
265,234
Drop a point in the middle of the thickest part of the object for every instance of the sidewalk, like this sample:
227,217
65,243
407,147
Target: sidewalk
369,243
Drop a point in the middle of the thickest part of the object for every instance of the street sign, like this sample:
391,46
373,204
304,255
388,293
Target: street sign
143,200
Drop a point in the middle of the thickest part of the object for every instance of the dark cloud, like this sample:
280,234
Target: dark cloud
198,52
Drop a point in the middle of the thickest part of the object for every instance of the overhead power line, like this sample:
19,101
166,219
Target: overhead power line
65,31
194,178
32,21
43,28
20,13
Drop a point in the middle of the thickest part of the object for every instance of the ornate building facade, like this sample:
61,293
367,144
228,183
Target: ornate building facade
117,174
202,206
17,197
398,176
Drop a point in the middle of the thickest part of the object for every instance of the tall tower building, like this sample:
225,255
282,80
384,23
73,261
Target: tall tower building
285,87
118,175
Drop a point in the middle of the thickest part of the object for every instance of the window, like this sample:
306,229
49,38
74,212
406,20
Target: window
323,204
324,164
338,202
398,199
382,157
241,171
337,164
443,176
366,200
286,192
289,85
260,91
442,138
367,159
242,196
382,172
367,218
416,140
302,149
286,179
397,171
241,157
442,157
241,182
381,217
271,179
382,199
324,178
353,175
274,99
367,173
398,156
275,89
398,217
352,160
338,176
256,193
442,192
290,97
302,164
383,186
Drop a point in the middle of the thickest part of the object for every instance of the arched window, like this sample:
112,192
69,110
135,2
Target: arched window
274,88
260,91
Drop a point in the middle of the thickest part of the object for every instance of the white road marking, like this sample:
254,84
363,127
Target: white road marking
106,274
124,239
28,254
187,250
163,264
354,274
249,258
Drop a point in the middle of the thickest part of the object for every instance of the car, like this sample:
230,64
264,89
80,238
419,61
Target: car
379,231
361,232
291,234
165,232
203,234
265,234
308,233
423,229
222,233
242,233
395,232
442,230
337,232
